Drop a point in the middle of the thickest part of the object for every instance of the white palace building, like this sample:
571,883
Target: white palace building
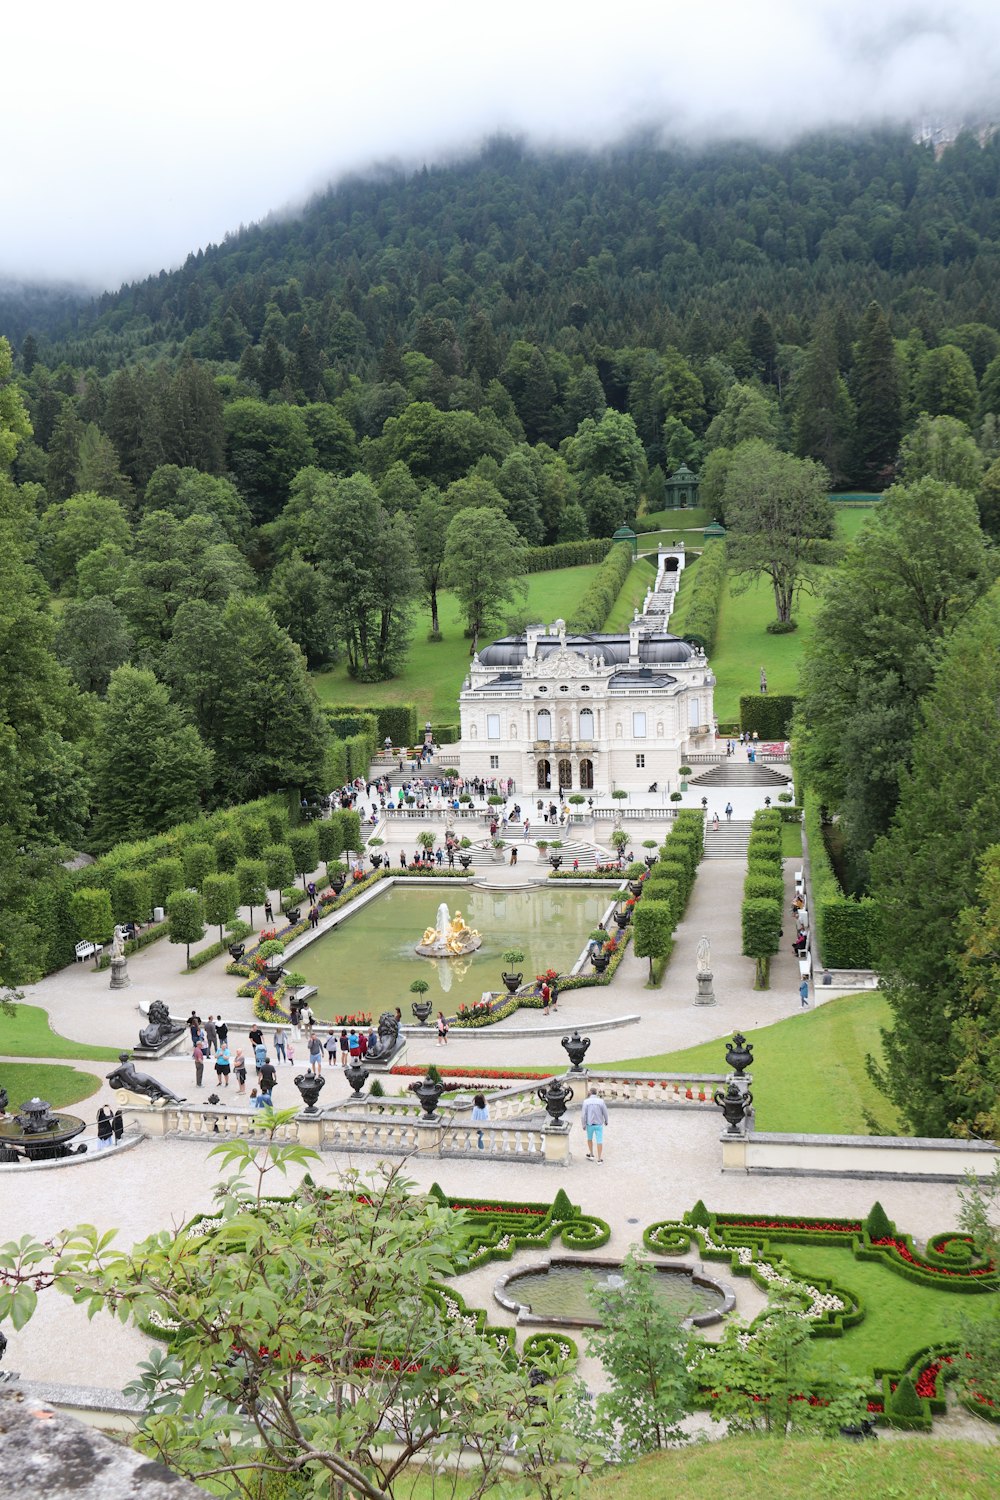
564,712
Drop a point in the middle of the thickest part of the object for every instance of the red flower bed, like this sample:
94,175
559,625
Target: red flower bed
738,1222
499,1208
407,1070
905,1253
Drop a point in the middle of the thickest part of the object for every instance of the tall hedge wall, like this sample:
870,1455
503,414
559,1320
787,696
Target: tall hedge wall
599,600
698,608
846,928
565,554
397,720
770,714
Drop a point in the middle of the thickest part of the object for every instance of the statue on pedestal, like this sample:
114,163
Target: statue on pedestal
119,963
706,994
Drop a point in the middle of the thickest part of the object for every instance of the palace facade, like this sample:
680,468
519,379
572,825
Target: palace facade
564,712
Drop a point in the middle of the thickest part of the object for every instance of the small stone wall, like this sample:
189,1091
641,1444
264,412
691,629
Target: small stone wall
926,1158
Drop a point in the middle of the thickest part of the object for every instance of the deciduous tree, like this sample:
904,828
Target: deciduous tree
779,520
481,564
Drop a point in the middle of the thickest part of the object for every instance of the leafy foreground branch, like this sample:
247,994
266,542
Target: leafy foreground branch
305,1340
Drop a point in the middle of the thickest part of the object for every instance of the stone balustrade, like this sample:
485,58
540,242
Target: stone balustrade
660,1090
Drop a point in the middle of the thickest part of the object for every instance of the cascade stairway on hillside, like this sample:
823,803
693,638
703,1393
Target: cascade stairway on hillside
738,773
728,841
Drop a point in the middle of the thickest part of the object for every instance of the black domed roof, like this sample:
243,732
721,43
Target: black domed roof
612,650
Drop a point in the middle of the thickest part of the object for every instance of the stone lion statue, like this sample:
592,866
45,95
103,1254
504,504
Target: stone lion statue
388,1035
160,1029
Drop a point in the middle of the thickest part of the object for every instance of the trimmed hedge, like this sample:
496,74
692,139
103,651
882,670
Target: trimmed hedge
600,598
446,734
397,720
564,555
764,887
770,714
698,609
847,929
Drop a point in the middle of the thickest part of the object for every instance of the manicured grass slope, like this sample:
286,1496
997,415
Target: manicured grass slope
60,1086
434,671
809,1469
809,1071
29,1034
641,576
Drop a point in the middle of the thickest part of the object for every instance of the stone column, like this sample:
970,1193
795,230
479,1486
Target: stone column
706,994
556,1145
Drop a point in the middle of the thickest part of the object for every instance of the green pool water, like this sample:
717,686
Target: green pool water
564,1291
369,962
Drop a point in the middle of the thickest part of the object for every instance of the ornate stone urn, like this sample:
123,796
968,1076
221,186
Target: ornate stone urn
356,1075
575,1047
421,1010
428,1092
309,1086
739,1054
556,1097
734,1104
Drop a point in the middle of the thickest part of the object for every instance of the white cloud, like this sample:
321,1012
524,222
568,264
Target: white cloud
135,134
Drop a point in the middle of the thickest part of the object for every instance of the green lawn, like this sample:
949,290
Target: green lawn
809,1469
28,1034
679,516
432,677
791,840
60,1086
901,1316
641,576
809,1071
649,540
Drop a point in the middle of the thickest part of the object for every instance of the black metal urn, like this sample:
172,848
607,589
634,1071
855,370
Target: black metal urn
635,886
428,1092
556,1097
236,951
651,860
465,860
555,860
623,916
421,1010
293,915
600,961
376,860
309,1086
356,1075
273,971
739,1054
575,1047
337,884
734,1104
513,982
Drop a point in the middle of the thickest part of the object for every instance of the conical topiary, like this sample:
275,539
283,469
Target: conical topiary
904,1401
699,1216
562,1208
878,1225
435,1192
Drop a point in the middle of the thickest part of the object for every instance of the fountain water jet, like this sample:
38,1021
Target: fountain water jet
451,938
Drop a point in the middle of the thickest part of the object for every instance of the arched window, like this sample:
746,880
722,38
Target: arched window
565,774
544,724
586,775
586,723
544,776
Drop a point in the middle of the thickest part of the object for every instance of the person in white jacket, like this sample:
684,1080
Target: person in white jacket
593,1118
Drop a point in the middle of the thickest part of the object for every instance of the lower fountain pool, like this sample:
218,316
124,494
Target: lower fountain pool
370,960
558,1292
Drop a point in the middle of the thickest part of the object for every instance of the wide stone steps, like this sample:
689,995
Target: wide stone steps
728,841
738,773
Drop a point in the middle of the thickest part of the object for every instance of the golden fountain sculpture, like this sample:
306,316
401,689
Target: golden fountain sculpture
451,938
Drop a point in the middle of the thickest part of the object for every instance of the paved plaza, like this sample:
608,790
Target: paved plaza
657,1162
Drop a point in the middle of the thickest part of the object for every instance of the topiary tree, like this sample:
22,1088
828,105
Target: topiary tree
255,837
187,919
349,822
425,841
620,839
653,930
761,936
130,895
221,896
330,836
91,915
251,882
304,844
904,1407
279,863
199,861
878,1225
166,875
699,1216
228,848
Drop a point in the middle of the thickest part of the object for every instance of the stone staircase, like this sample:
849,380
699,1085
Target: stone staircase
739,773
589,855
728,841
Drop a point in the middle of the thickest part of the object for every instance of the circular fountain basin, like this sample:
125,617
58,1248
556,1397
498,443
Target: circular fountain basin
555,1292
441,950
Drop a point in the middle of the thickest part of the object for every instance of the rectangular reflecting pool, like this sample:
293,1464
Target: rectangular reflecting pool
369,961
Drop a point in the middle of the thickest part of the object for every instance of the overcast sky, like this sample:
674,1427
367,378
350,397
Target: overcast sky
136,133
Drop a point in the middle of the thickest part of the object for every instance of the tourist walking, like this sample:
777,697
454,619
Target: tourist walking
554,995
480,1114
221,1029
105,1130
240,1070
729,812
315,1055
345,1049
290,1049
442,1029
314,917
593,1118
331,1048
267,1077
804,993
194,1026
259,1055
353,1046
715,822
268,911
546,996
211,1035
118,1126
279,1043
198,1057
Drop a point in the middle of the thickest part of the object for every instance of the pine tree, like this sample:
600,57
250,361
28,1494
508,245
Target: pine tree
878,398
824,412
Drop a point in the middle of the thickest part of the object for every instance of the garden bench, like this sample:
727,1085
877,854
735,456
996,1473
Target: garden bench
87,950
800,883
805,964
